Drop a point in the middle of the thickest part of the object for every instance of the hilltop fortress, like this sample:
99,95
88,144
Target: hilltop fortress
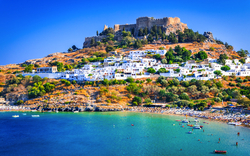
168,24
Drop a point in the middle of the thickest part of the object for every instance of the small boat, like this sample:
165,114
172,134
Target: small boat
76,111
231,123
173,124
34,111
220,152
35,116
237,123
190,132
201,126
132,124
15,116
196,120
185,121
24,113
196,127
177,120
56,111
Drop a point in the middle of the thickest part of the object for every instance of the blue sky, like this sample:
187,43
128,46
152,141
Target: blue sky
35,28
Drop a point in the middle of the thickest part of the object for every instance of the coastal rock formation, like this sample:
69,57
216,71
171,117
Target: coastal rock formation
209,37
13,97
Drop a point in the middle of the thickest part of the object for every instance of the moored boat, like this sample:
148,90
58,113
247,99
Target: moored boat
15,116
35,116
76,111
196,127
190,132
185,121
220,152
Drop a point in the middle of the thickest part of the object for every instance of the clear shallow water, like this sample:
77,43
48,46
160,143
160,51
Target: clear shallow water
97,133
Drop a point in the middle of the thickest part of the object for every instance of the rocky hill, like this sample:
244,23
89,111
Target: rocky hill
147,33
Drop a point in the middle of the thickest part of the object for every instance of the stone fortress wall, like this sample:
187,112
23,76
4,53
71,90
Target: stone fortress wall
168,25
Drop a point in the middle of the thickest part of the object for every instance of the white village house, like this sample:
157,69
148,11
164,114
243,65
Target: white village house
136,64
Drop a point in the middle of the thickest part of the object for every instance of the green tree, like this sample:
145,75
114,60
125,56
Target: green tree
150,38
137,99
126,33
148,80
109,48
243,53
19,102
172,38
156,37
201,55
36,79
151,70
162,70
218,73
170,56
157,57
29,68
148,101
92,42
243,61
97,33
140,33
68,67
184,96
164,61
70,50
225,68
222,58
110,37
145,31
74,47
130,80
137,44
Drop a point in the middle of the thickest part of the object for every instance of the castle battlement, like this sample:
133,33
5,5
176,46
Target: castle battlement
168,24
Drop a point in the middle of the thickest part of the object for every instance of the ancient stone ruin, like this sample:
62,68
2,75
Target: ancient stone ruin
168,24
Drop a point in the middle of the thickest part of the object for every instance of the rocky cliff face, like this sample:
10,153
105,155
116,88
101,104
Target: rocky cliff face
14,97
174,24
209,37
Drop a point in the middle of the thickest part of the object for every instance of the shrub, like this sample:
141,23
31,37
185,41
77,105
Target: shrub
108,101
239,80
151,70
245,80
137,99
211,48
135,103
217,99
148,101
19,102
184,96
130,79
67,83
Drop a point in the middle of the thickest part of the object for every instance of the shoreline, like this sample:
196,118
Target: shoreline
162,111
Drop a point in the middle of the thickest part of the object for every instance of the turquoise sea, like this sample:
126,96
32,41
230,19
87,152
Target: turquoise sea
111,133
